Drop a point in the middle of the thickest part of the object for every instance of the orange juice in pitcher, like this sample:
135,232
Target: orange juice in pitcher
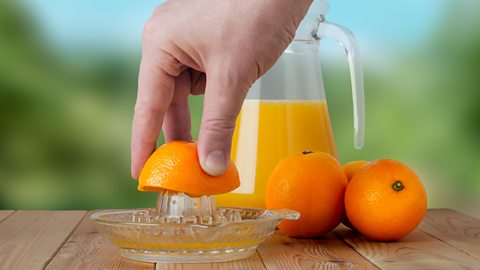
286,110
281,131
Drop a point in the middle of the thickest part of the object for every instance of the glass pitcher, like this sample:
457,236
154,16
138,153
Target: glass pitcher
286,111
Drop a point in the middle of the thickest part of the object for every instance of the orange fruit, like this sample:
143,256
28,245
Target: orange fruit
175,166
312,183
385,200
351,168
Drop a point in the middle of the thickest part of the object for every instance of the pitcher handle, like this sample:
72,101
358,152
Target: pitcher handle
346,39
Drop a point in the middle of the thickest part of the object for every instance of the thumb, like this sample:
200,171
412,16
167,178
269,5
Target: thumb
222,103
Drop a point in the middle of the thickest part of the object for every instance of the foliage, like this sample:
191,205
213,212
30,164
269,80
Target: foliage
65,119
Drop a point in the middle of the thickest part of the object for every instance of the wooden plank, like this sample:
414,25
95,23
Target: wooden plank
282,252
88,249
5,213
254,263
418,250
455,229
475,212
29,239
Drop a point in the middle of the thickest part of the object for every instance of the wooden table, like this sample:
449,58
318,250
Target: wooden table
68,240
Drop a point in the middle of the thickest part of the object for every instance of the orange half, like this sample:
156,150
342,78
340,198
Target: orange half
175,166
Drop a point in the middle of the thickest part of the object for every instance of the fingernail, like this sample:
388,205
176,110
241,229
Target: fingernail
215,164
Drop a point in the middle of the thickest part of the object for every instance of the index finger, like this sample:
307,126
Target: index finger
155,92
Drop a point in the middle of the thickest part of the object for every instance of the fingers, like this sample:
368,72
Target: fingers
198,82
177,123
155,91
222,104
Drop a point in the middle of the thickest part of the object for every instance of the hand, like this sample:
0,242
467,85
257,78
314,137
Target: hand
216,47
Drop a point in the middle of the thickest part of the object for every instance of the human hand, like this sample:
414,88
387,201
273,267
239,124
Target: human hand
216,47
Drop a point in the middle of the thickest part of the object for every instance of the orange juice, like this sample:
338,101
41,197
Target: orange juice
266,132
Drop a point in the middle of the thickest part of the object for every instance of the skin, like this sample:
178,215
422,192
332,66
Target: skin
230,42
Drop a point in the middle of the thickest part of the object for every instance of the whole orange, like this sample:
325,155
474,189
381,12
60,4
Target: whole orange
175,166
312,183
385,200
351,168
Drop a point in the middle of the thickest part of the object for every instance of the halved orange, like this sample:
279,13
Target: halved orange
175,166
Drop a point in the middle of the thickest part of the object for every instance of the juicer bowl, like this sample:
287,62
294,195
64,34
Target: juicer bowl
141,236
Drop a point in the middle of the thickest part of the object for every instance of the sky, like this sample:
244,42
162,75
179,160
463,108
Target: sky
378,25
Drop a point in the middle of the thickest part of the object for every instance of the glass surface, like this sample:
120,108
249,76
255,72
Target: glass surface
141,234
266,132
296,75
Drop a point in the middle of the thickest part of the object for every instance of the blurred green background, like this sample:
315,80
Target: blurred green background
68,74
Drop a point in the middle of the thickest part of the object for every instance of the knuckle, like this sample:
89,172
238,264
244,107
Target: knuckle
156,23
149,29
157,46
219,125
240,75
159,9
168,63
144,107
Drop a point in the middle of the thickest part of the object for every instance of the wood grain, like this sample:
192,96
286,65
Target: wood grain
30,238
455,229
282,252
68,240
87,249
254,263
5,213
418,250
